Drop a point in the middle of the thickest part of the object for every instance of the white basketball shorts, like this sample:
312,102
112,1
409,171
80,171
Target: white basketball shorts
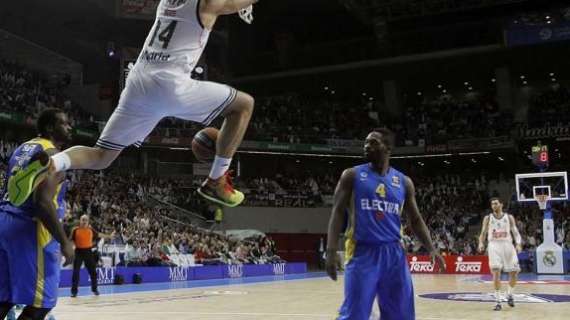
502,255
153,92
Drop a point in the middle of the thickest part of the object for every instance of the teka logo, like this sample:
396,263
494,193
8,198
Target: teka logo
279,268
178,274
235,270
469,267
105,275
420,266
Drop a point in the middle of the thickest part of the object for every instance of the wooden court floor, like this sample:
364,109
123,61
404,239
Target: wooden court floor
316,298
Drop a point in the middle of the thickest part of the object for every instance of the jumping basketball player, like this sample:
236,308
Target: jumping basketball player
158,86
375,195
498,226
31,234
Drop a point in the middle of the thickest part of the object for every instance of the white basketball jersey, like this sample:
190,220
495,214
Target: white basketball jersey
177,37
499,229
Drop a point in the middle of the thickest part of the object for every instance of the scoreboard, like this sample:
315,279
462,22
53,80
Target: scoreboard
540,156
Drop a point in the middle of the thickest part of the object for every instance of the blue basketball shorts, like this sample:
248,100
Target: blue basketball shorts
29,262
378,271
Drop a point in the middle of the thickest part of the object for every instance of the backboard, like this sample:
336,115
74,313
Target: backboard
552,184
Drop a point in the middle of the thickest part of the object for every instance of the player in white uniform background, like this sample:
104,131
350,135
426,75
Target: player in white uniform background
498,227
159,86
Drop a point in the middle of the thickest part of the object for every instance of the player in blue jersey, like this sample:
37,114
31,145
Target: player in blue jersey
375,195
31,234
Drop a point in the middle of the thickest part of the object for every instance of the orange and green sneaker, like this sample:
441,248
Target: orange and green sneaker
24,181
221,191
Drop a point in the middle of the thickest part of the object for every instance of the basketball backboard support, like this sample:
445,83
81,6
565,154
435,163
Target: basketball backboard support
552,184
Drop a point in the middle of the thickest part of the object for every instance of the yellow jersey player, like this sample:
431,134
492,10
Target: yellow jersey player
31,235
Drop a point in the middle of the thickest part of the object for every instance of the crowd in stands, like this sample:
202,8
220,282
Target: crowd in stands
314,118
452,206
296,118
119,203
443,118
28,93
550,107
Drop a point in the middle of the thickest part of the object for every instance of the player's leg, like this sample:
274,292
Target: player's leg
33,313
5,283
91,265
512,267
5,286
360,279
134,118
77,262
204,101
497,285
496,265
127,126
7,311
237,116
395,290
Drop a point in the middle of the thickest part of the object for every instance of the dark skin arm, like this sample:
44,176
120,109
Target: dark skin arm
47,214
418,225
341,201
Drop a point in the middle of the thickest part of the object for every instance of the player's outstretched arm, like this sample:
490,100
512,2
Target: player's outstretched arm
47,213
341,200
418,224
484,230
516,234
222,7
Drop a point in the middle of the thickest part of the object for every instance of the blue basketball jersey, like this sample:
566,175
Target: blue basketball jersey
19,159
376,263
377,203
29,256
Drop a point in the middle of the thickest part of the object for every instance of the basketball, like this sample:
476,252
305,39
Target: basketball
204,144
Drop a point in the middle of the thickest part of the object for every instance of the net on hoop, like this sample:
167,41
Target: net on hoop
542,200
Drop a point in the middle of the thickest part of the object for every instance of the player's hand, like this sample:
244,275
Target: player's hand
519,248
331,263
68,252
436,257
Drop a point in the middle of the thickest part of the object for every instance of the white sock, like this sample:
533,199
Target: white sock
498,296
61,162
219,167
510,290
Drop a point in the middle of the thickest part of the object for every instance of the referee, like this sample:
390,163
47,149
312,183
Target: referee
83,237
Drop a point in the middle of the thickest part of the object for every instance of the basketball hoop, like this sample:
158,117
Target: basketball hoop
542,200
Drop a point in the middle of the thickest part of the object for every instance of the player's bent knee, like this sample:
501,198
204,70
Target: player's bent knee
105,158
243,104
